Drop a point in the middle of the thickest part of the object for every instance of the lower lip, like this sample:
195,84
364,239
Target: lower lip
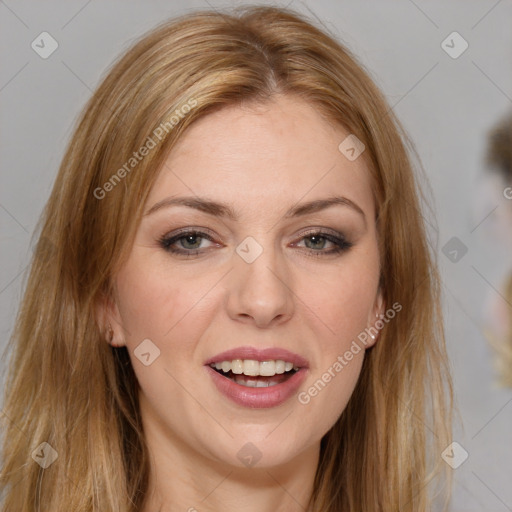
258,398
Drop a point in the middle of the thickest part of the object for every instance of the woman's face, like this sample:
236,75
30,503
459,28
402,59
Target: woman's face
259,239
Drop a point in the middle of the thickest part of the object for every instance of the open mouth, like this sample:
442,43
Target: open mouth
255,374
260,381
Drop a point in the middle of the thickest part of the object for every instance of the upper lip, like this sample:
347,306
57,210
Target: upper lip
258,354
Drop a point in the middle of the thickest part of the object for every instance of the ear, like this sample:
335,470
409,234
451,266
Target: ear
109,321
375,314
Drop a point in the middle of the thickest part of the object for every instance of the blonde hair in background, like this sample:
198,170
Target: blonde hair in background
503,346
69,388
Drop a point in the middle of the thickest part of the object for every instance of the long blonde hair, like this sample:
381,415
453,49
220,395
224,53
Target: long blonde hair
503,345
67,387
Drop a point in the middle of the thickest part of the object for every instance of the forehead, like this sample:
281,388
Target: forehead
275,153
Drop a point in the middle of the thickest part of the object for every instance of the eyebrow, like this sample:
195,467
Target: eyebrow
224,210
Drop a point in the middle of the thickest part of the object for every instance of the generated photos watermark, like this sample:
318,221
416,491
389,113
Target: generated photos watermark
342,361
151,142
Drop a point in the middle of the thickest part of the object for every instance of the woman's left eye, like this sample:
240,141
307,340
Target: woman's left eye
317,241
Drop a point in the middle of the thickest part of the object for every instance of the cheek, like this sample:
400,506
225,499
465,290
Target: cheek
341,301
155,304
145,304
328,391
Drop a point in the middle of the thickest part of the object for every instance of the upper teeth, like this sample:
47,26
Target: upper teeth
254,368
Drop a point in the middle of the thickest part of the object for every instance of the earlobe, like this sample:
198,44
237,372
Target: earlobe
107,318
375,315
380,307
110,334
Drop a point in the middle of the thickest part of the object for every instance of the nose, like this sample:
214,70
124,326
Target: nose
260,292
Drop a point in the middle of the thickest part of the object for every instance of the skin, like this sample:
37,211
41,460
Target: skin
261,160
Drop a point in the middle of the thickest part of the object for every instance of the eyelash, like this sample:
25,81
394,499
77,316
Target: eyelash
341,245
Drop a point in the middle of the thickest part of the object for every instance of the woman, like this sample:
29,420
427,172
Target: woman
232,304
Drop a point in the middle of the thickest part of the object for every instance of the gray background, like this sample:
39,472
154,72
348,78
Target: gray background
445,104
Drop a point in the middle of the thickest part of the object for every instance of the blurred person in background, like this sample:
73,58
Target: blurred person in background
499,309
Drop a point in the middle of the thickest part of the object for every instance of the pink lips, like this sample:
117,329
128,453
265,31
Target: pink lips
258,398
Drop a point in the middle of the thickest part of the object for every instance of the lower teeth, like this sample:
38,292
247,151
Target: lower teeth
252,383
257,382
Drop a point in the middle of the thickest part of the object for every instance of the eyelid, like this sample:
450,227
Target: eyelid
190,229
315,230
322,230
319,231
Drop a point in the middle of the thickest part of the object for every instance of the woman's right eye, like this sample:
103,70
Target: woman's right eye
187,243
